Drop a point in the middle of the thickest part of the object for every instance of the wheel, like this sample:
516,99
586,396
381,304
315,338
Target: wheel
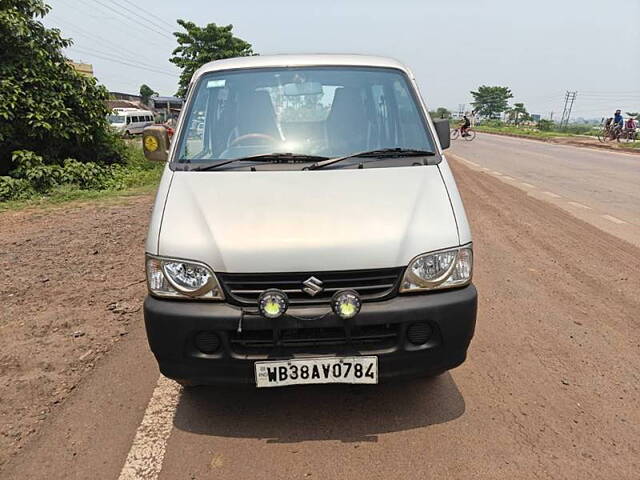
471,134
127,134
602,136
455,133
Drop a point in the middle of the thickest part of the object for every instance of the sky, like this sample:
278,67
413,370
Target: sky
540,49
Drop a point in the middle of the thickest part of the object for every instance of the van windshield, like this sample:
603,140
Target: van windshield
116,118
320,111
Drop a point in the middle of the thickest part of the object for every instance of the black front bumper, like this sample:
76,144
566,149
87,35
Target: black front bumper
172,327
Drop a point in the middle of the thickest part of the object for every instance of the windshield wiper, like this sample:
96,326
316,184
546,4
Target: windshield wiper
381,153
264,157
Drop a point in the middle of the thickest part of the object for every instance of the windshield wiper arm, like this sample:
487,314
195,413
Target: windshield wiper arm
380,153
264,157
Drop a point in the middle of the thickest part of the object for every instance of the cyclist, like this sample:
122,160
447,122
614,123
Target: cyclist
617,125
630,124
465,124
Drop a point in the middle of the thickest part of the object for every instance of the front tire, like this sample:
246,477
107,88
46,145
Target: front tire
455,133
471,134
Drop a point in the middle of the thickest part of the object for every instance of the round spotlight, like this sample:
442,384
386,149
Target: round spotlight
273,303
346,304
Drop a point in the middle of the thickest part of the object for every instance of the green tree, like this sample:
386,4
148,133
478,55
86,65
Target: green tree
441,112
518,113
199,45
146,92
46,106
635,115
491,101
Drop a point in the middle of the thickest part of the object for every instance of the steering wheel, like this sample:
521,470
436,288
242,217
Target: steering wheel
250,136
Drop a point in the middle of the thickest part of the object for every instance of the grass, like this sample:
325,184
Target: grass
528,132
523,131
138,177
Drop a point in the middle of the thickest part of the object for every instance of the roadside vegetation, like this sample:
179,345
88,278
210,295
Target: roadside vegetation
493,114
35,183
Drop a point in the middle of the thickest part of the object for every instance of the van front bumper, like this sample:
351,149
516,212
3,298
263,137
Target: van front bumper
381,329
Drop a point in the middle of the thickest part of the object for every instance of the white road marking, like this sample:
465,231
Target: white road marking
507,177
528,185
579,205
498,174
613,219
551,194
472,163
486,169
145,457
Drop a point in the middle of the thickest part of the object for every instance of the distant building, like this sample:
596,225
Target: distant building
83,68
169,107
125,96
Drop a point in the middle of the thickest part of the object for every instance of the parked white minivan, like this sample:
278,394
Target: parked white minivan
130,122
310,232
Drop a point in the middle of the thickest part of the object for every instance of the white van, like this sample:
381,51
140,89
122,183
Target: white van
129,121
310,231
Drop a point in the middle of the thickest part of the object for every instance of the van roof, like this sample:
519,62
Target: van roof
307,60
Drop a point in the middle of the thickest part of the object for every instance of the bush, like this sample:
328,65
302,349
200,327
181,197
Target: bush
545,125
14,188
492,123
32,177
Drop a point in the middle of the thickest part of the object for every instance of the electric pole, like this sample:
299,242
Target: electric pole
569,98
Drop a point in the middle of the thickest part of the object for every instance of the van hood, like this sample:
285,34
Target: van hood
307,221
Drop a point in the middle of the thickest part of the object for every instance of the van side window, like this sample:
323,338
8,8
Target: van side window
128,120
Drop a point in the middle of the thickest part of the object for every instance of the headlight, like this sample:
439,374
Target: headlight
174,278
437,270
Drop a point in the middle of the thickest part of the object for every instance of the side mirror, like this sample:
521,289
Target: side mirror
444,132
155,142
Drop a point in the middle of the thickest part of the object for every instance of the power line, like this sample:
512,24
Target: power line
81,31
141,17
130,64
126,54
161,33
93,51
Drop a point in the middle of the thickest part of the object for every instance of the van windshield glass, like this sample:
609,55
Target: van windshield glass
116,118
323,112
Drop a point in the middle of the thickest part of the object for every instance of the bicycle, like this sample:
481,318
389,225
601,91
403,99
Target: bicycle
628,135
609,131
469,135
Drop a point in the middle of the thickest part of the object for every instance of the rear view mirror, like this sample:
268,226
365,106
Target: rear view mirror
155,142
444,132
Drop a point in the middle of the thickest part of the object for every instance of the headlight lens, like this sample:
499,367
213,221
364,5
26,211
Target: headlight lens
168,277
444,269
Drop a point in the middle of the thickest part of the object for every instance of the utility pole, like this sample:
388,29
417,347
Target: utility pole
461,109
569,98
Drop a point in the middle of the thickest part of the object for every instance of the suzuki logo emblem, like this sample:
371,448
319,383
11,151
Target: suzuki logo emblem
312,286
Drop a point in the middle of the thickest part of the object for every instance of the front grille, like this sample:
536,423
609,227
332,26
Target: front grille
245,288
315,340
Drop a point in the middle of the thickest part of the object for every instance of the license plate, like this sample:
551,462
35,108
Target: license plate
305,371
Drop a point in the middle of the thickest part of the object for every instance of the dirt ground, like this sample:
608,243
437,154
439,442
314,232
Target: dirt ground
549,390
73,279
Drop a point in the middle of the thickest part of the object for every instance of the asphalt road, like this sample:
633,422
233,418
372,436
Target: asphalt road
549,390
599,186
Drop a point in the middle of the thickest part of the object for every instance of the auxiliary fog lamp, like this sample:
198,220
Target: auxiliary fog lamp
273,303
346,304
